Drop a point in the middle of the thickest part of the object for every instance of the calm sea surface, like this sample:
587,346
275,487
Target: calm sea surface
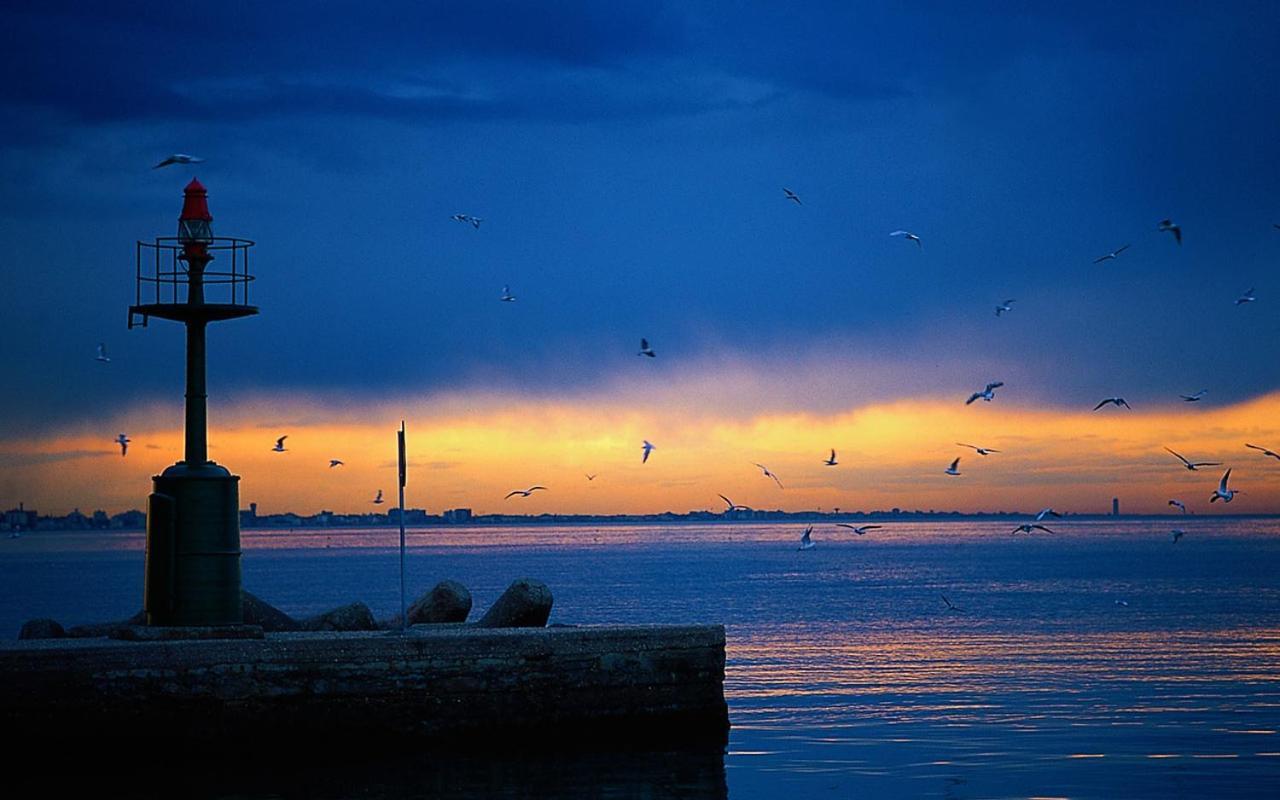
1104,661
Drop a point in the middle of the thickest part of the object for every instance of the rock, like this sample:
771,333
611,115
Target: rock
353,617
261,613
449,601
99,630
525,604
41,629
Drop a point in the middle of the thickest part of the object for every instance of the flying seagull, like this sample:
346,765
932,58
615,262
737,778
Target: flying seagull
377,501
1265,451
1194,398
123,441
982,451
1168,225
1177,533
1007,305
831,462
769,474
279,448
1247,297
1222,492
590,477
950,606
954,469
987,394
1113,254
1028,527
1179,504
333,462
507,296
647,448
861,530
1119,401
806,541
178,158
1193,466
524,492
646,350
908,235
1047,512
792,196
102,353
732,506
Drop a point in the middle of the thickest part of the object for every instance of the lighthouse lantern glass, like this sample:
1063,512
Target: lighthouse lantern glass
195,230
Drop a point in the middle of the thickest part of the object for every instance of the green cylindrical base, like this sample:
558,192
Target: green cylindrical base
193,548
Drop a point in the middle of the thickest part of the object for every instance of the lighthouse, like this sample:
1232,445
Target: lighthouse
192,569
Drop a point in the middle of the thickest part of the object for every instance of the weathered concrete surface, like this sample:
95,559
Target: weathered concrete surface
448,601
631,685
525,604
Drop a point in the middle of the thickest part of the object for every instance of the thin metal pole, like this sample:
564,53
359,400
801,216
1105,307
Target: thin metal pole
404,618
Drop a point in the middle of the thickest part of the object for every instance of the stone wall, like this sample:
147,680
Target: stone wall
632,685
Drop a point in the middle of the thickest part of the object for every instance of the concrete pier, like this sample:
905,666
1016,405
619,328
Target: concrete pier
608,685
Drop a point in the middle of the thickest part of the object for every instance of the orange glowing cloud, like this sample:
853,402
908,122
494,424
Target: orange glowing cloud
471,450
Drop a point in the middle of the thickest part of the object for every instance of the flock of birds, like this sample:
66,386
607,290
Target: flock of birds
986,394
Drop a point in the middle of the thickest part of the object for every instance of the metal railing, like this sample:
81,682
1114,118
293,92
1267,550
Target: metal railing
168,279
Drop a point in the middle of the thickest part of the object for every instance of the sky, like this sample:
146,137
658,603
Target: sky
629,161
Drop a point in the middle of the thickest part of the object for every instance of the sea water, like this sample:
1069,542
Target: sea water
1104,660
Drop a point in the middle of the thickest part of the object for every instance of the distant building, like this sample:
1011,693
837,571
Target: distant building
249,519
457,516
1115,506
20,519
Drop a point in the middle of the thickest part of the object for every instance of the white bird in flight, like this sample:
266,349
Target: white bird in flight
178,158
1247,297
589,476
1028,527
954,469
861,530
377,501
1194,465
806,540
1007,305
475,221
987,394
525,492
908,235
648,448
279,448
1179,504
646,350
769,474
507,296
982,451
792,196
1113,254
732,506
1047,512
123,441
333,462
1118,401
1265,451
1171,227
102,353
950,606
1194,398
1177,533
831,462
1222,492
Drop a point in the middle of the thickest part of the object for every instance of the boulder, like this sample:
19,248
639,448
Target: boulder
100,630
41,629
352,617
261,613
449,601
525,604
